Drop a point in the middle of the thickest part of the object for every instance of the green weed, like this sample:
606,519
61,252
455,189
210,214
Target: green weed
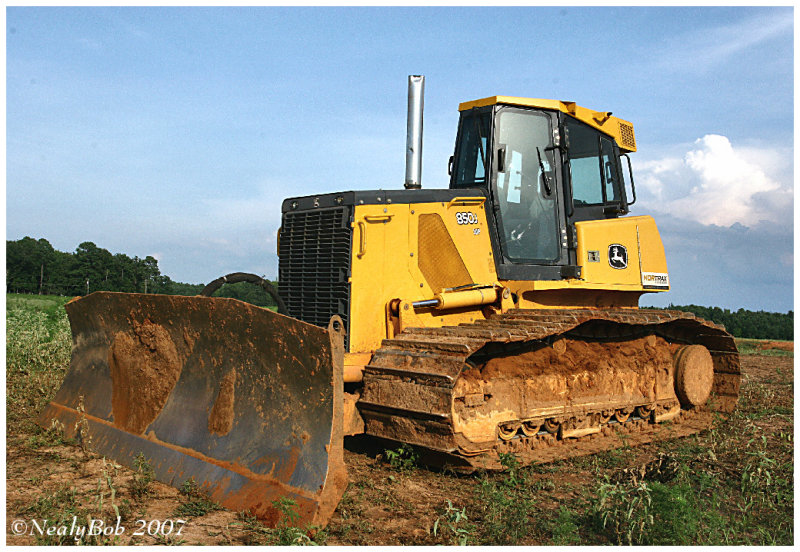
49,503
764,482
515,476
454,526
142,477
287,533
624,511
169,540
403,459
58,509
197,502
639,512
106,482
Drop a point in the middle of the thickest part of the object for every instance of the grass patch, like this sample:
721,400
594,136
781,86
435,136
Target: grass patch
196,503
38,348
565,529
57,509
765,347
505,504
286,533
646,512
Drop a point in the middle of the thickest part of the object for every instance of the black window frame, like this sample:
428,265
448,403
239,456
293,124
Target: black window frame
489,129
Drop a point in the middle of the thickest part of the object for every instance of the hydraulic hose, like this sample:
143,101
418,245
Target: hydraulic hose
235,277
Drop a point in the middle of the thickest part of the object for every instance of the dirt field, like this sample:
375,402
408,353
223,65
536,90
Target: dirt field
730,485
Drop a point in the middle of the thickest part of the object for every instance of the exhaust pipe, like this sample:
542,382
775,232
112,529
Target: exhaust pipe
416,93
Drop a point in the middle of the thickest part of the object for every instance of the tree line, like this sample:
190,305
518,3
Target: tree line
746,323
35,267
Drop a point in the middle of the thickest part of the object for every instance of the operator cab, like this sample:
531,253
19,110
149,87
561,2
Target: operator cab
545,165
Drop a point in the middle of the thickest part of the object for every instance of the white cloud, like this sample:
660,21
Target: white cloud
715,183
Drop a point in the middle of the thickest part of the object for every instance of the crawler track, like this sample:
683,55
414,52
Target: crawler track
419,385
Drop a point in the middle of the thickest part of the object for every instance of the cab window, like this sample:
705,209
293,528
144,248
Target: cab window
592,165
470,166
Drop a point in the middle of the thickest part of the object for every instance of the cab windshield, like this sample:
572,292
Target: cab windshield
525,185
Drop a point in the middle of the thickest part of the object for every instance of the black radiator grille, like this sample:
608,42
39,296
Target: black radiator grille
314,264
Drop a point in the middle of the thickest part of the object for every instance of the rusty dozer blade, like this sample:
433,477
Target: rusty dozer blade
246,401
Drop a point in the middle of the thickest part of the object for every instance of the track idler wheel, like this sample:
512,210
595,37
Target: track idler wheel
694,375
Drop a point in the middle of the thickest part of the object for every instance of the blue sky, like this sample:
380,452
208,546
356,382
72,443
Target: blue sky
176,132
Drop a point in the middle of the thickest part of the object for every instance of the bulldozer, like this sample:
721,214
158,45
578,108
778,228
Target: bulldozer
497,316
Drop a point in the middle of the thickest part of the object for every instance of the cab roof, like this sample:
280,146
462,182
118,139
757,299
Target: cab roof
620,130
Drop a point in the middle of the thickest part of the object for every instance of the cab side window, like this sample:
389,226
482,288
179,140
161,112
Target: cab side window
592,165
470,168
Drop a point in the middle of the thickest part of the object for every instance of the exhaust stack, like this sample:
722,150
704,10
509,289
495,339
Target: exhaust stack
416,93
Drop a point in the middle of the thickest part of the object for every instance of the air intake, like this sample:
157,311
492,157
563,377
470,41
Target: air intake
626,136
315,263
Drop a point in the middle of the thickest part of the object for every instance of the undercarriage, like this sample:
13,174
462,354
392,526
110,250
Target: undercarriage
549,384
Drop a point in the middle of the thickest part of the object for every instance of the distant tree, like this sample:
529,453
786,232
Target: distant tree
29,264
92,267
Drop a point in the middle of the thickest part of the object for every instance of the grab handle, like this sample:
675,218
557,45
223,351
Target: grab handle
466,201
362,239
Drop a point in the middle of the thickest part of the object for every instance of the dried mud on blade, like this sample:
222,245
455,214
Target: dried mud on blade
245,401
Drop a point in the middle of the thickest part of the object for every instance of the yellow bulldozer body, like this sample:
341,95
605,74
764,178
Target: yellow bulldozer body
417,251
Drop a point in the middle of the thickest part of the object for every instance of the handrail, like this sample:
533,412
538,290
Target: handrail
630,173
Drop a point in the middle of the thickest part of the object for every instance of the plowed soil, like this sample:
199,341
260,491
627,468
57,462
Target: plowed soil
392,504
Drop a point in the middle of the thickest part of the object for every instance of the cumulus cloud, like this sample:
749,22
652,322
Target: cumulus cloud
716,183
725,214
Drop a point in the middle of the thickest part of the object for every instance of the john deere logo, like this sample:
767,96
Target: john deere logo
617,256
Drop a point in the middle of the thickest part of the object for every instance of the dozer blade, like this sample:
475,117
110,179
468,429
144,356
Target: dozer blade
246,401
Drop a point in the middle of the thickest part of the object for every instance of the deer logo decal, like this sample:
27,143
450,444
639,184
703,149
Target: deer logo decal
617,256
